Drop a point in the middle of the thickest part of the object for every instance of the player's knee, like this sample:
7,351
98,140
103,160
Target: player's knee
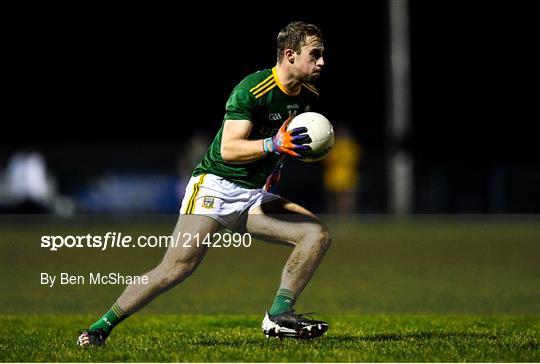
318,236
325,239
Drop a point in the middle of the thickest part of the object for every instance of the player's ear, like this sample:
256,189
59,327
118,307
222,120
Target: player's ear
290,55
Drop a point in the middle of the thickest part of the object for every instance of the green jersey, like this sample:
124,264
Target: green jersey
261,99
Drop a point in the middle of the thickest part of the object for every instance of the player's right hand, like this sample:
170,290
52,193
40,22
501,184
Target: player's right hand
272,179
291,142
275,176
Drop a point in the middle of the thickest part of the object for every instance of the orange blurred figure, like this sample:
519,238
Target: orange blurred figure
341,175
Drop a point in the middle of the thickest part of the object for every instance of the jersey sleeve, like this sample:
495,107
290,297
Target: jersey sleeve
240,106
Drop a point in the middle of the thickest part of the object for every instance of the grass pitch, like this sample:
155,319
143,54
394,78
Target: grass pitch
462,289
216,338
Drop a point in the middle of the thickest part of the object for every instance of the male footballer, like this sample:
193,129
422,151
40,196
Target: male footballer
230,189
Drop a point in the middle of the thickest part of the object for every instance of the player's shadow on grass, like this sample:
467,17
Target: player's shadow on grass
417,336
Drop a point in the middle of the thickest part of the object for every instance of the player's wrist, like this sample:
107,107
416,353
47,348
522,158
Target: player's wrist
268,146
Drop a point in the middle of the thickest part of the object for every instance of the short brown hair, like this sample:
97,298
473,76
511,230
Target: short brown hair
294,36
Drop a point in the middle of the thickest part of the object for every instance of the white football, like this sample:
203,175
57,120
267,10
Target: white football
319,130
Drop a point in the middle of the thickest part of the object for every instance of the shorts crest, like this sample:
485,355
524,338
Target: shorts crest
208,202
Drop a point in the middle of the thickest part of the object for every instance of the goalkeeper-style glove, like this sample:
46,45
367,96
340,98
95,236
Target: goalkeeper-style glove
288,142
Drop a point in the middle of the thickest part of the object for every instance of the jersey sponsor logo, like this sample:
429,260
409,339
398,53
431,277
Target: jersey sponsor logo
267,131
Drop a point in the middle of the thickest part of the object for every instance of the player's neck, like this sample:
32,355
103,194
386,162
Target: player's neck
286,79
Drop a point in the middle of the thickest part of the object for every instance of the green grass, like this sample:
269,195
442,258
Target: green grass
461,289
203,338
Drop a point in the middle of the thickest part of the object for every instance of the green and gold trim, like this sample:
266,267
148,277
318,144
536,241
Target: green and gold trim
286,293
196,188
280,85
264,87
266,90
268,80
311,88
117,310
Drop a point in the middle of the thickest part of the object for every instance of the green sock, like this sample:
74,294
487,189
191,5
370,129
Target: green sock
284,301
112,318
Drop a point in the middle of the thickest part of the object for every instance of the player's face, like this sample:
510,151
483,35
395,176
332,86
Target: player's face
310,62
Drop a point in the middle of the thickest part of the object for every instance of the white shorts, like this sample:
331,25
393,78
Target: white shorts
224,201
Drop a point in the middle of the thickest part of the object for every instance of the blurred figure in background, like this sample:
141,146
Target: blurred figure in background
28,186
341,176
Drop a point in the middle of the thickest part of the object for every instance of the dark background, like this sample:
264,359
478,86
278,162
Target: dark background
102,90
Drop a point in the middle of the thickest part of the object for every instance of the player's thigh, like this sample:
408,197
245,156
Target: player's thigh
282,221
188,235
